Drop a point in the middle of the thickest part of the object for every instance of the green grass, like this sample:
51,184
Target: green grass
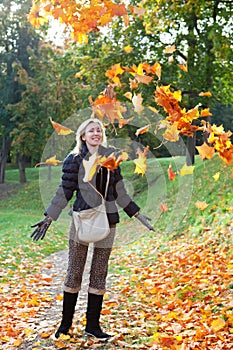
26,203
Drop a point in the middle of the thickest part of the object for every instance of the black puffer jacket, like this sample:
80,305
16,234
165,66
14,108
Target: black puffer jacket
86,196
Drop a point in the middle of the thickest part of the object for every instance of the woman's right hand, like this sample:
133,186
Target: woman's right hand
41,229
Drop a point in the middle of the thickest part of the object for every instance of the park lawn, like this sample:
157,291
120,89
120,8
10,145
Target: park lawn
25,206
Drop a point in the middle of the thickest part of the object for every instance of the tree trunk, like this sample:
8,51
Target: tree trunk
6,144
190,150
21,165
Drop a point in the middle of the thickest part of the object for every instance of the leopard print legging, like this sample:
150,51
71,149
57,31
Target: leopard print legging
99,265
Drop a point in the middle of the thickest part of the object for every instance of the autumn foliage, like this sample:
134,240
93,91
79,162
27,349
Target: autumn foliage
80,17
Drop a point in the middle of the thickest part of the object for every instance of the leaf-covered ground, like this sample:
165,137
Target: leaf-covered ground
167,290
175,294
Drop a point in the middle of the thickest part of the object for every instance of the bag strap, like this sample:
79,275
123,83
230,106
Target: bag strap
107,183
106,188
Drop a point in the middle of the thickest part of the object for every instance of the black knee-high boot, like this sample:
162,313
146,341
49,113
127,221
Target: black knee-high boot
94,307
69,302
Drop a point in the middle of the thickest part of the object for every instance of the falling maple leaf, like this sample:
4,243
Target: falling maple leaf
187,170
184,67
145,79
206,93
206,112
133,84
90,167
205,151
137,102
171,134
163,207
171,175
112,161
128,49
170,49
143,130
137,10
113,73
123,122
216,176
140,162
201,205
128,95
60,129
232,173
50,161
107,105
153,109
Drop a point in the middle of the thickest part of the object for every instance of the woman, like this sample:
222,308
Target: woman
90,139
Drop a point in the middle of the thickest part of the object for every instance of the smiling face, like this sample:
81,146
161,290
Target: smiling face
93,135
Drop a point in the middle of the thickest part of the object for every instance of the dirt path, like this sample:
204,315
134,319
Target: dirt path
48,319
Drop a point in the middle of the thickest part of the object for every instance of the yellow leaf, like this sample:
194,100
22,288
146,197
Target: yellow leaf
186,170
218,324
140,162
179,337
128,49
52,161
216,176
128,95
90,167
155,110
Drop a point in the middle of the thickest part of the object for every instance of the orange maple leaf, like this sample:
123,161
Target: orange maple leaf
172,133
136,10
206,93
123,122
107,106
114,72
184,67
205,151
60,129
163,207
171,175
206,112
112,162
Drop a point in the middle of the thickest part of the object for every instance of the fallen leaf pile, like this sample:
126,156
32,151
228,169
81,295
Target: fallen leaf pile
182,299
22,302
173,294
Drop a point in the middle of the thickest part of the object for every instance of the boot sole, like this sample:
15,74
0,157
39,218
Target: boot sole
101,339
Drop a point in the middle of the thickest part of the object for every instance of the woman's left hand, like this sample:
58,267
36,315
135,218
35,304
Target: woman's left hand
144,220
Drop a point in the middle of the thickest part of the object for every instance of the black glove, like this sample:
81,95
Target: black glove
144,220
42,227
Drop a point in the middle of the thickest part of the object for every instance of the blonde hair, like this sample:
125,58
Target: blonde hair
81,131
